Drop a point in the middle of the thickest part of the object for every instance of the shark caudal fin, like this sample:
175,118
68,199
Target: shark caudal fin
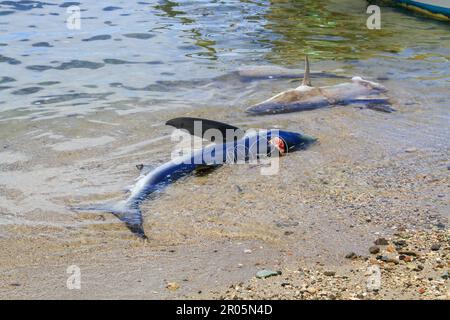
128,213
306,77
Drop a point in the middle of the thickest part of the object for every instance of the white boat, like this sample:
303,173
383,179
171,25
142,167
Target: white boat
439,9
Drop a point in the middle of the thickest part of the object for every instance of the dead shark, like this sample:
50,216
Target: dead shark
251,145
307,97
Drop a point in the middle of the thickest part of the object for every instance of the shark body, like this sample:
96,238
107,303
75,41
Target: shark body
307,97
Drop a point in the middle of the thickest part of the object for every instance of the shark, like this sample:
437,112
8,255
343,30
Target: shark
307,97
251,144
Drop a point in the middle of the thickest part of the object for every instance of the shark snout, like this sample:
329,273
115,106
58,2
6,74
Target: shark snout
371,84
265,108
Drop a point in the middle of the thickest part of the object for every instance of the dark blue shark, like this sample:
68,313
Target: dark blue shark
244,147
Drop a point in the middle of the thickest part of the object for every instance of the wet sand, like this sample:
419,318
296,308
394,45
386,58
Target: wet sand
208,232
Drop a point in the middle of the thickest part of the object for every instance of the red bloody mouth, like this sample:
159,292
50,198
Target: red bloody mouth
279,143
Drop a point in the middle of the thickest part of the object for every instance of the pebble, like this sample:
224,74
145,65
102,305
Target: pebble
311,290
405,258
329,273
440,226
247,251
262,274
408,253
351,255
172,286
400,243
418,268
411,150
435,247
388,259
381,242
374,250
390,249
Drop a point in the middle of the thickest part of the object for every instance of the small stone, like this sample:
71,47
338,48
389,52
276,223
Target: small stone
351,255
435,247
406,258
390,248
440,226
172,286
381,242
388,259
445,275
408,253
262,274
329,273
374,250
411,150
422,290
418,268
311,290
247,251
400,243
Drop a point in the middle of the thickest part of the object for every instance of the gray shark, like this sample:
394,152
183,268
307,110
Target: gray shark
307,97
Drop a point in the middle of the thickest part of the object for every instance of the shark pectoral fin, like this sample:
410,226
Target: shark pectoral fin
130,214
376,103
381,107
370,99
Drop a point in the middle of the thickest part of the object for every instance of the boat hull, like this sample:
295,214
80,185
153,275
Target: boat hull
439,9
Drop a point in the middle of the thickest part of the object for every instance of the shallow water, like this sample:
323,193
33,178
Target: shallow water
79,108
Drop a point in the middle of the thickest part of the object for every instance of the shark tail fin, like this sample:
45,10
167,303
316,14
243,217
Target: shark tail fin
306,77
128,213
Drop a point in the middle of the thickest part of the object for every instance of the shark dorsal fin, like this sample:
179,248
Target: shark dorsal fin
306,79
189,124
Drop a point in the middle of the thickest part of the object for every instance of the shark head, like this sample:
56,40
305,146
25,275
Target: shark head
370,84
288,141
